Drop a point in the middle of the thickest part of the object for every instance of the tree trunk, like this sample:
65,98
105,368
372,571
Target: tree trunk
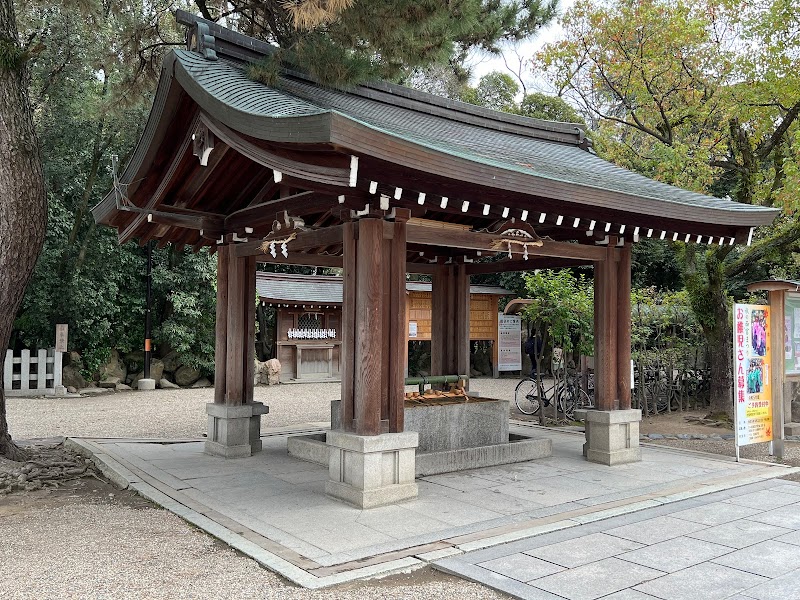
720,340
23,206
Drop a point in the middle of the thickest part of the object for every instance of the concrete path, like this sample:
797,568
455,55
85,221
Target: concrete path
273,508
740,544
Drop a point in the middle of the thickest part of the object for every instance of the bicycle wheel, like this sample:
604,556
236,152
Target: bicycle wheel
526,397
565,399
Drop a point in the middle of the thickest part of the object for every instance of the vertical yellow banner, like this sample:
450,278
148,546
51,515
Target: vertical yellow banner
752,357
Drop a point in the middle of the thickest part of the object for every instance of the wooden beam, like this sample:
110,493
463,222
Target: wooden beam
504,266
302,259
473,240
257,215
336,176
304,240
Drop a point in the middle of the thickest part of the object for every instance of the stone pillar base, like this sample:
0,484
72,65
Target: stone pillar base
370,471
146,384
612,436
791,429
234,431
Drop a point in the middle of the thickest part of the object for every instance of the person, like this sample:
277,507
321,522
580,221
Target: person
533,348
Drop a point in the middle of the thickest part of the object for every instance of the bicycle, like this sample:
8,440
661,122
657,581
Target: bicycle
571,396
530,395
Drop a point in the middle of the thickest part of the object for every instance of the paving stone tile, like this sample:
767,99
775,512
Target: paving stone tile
399,522
675,554
739,534
786,487
785,587
494,580
461,481
793,537
596,579
498,501
785,516
521,567
451,511
764,499
552,491
658,529
706,581
583,550
770,559
629,594
716,513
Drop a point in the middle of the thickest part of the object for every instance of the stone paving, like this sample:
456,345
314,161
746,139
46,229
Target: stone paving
740,544
273,508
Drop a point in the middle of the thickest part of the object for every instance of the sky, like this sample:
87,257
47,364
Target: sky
483,62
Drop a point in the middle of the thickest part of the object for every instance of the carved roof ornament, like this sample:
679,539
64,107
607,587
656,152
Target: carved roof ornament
199,39
284,230
514,234
202,143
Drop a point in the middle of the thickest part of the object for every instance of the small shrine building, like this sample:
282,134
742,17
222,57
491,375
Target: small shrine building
381,181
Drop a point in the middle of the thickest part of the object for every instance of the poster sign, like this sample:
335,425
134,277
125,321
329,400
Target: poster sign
61,337
509,344
791,335
751,365
412,329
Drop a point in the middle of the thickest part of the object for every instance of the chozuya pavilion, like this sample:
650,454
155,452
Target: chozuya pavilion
382,181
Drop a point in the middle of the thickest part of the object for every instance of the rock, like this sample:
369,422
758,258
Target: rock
171,362
202,383
656,436
114,368
273,366
134,361
72,389
259,372
71,377
110,382
121,387
92,391
156,372
186,375
166,384
73,359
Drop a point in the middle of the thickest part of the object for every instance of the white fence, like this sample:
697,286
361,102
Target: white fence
33,373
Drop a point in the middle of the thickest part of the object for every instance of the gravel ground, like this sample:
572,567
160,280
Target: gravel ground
106,550
79,547
180,413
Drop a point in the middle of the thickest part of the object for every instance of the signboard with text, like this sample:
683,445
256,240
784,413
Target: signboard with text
751,373
61,337
791,335
509,342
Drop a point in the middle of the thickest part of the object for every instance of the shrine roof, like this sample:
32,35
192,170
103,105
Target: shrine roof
327,290
309,151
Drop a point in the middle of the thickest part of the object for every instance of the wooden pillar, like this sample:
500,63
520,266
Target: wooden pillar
440,318
461,319
240,327
605,331
373,326
777,309
398,328
450,321
624,327
221,327
348,356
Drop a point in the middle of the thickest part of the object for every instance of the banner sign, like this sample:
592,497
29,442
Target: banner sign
509,345
791,335
751,373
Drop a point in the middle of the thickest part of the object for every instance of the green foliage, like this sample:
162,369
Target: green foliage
495,90
562,310
549,108
388,39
